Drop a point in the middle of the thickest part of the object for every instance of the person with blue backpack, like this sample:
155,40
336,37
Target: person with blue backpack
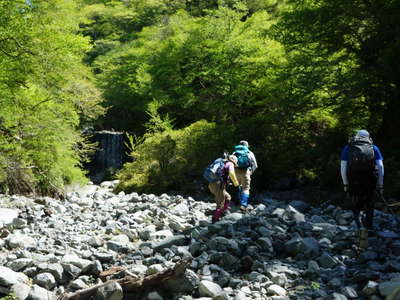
362,173
246,166
220,174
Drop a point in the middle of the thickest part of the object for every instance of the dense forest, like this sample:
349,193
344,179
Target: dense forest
187,79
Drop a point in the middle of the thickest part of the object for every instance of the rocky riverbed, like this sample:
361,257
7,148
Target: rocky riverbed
278,250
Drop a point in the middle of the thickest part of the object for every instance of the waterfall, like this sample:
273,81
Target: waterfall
109,156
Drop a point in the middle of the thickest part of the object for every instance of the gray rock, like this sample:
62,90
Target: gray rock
277,278
20,264
95,241
18,240
276,290
308,247
209,289
326,230
20,290
45,280
335,283
71,271
265,244
240,296
313,266
327,261
234,217
8,277
119,243
178,224
187,284
78,284
153,269
367,256
154,296
222,296
301,206
370,288
388,287
55,269
349,292
177,240
19,223
338,296
105,257
294,214
39,293
75,260
138,269
181,209
112,291
95,268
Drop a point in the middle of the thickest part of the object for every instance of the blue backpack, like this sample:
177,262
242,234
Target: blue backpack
214,171
242,154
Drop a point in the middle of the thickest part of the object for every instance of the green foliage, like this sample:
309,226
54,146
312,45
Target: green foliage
223,67
315,285
111,23
215,68
342,52
9,297
172,159
190,79
44,93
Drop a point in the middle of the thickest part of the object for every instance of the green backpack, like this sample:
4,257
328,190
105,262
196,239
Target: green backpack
242,154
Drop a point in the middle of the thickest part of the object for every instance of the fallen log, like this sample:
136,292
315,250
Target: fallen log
132,284
109,272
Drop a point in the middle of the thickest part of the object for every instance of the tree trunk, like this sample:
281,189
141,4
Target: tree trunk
131,284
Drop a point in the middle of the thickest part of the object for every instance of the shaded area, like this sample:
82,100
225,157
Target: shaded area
109,157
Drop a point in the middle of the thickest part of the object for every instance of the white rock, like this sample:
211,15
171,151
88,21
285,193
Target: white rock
276,290
7,215
18,240
209,289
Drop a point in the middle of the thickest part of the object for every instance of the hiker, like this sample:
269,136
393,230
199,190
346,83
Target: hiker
247,164
220,174
362,173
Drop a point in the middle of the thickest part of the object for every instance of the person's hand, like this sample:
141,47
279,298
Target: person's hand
346,188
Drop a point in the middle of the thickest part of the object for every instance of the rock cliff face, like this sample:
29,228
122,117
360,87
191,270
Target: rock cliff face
277,250
110,155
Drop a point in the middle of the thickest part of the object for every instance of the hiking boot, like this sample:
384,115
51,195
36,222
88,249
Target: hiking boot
216,215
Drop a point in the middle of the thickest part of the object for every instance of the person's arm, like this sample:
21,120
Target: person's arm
381,173
232,174
343,172
344,158
253,162
379,166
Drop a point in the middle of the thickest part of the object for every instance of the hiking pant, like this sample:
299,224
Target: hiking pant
243,176
217,188
361,190
222,198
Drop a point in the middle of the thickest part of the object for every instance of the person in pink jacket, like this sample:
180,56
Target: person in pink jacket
218,188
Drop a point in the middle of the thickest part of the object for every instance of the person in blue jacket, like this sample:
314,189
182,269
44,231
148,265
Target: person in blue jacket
362,185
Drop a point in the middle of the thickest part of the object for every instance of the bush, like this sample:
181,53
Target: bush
173,159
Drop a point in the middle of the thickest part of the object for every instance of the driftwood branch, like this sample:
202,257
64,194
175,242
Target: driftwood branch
131,284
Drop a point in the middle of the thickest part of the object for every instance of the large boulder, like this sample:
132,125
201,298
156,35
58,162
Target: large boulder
309,247
7,215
